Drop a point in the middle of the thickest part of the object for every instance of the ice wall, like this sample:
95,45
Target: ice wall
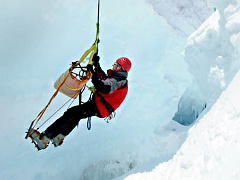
190,106
212,54
212,145
212,148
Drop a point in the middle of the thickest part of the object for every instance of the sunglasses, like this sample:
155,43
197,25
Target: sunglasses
118,65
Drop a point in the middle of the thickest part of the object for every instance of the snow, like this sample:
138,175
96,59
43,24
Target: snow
212,147
184,56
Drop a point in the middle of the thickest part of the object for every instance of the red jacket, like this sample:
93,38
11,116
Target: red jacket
111,92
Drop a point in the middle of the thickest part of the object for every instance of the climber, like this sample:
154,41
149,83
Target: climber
111,90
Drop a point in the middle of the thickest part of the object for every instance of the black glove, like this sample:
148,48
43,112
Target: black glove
90,68
98,84
95,59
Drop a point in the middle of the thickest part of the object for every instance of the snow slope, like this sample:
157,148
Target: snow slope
212,148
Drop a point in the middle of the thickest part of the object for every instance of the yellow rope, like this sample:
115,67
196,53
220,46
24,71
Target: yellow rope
36,120
92,50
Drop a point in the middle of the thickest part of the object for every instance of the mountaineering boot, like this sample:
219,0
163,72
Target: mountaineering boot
58,140
39,139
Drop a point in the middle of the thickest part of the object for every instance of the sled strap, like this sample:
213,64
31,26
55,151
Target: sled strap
92,50
36,120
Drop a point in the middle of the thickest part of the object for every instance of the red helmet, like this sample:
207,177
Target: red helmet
125,63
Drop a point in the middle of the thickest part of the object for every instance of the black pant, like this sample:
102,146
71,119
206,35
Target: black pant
70,119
